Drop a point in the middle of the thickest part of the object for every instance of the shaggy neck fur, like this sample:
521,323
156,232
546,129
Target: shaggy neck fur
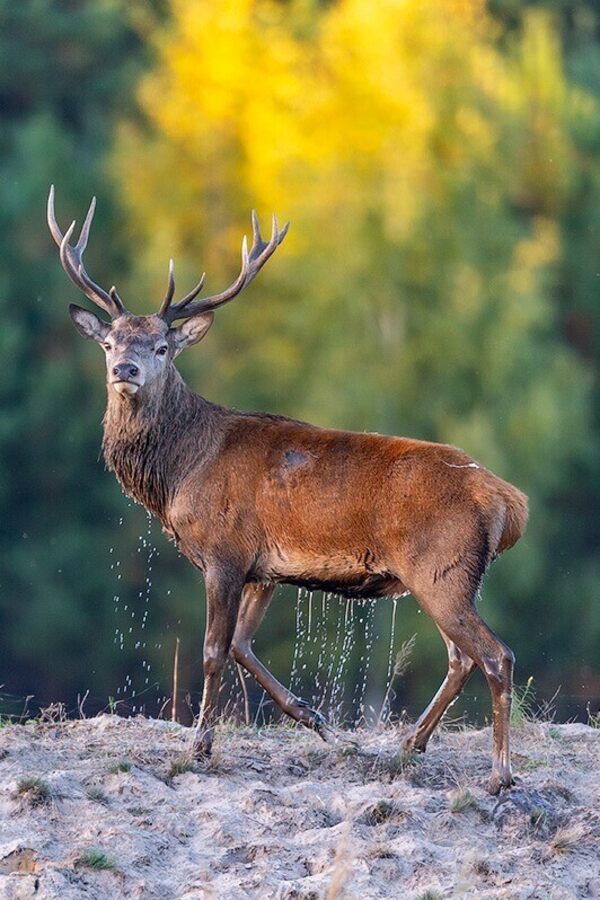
153,439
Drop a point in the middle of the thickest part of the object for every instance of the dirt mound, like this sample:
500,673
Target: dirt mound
113,807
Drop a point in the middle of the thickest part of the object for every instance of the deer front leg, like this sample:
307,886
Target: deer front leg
223,589
255,602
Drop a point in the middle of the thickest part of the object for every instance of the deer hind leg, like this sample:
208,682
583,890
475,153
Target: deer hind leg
460,667
450,601
222,603
255,602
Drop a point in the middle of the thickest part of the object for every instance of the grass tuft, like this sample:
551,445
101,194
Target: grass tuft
568,838
593,718
461,799
379,813
430,895
529,765
399,763
95,859
523,701
180,766
35,790
122,766
97,795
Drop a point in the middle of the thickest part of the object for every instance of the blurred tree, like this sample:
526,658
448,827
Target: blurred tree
66,72
430,164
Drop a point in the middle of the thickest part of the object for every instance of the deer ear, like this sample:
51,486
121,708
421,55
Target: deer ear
191,331
88,324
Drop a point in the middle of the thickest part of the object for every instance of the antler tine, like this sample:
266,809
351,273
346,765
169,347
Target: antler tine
170,290
168,312
193,293
252,263
51,217
72,262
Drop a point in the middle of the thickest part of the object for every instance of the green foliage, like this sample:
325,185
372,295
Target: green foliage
523,701
95,859
66,74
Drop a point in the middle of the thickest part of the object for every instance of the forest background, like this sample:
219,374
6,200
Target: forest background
440,163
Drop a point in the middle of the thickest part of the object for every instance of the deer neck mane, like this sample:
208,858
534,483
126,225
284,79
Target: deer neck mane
151,442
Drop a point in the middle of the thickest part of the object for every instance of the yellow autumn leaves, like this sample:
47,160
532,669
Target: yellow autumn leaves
422,156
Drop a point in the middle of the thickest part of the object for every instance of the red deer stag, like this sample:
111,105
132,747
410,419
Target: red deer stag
254,500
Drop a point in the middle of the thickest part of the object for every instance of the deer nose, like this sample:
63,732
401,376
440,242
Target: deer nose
125,371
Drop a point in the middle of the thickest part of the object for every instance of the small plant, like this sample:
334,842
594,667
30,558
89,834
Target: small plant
399,763
461,800
95,859
97,795
530,764
379,813
53,714
122,766
430,895
349,750
35,790
593,718
537,817
401,665
315,756
555,733
568,838
522,703
180,766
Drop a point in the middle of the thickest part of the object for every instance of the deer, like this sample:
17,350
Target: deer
254,500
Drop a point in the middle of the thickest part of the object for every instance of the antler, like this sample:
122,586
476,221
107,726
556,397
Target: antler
72,260
252,263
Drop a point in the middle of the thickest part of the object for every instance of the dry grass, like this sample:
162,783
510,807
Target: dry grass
34,790
461,799
122,766
570,838
278,814
180,766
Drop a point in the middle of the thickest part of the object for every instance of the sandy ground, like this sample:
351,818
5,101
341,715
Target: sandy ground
101,808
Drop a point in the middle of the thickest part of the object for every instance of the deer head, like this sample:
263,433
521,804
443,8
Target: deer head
139,349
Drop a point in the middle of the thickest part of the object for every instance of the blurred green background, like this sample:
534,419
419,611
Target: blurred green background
440,163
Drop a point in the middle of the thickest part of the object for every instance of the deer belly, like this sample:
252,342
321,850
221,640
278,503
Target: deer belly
347,576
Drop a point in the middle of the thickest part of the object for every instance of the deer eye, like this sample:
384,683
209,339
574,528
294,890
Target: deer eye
107,346
162,350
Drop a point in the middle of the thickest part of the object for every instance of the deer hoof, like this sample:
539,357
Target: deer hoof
412,744
499,782
319,723
202,748
313,719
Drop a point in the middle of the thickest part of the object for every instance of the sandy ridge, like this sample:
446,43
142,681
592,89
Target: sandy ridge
278,814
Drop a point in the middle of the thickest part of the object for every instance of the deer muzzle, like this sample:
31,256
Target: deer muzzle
126,378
